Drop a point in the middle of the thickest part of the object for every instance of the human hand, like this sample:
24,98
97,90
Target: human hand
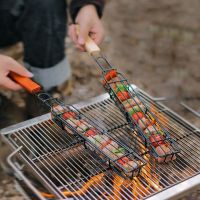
89,24
7,65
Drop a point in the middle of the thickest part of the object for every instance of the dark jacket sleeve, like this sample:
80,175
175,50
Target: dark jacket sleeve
76,5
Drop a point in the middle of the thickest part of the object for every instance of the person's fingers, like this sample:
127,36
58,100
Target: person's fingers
80,47
83,33
17,68
97,36
73,34
8,83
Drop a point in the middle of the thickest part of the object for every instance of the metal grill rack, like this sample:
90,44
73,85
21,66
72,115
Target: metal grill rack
68,170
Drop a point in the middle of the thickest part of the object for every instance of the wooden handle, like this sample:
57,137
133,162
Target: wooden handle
25,82
90,45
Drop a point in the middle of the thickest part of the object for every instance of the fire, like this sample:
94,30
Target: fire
147,172
95,180
118,182
159,115
138,188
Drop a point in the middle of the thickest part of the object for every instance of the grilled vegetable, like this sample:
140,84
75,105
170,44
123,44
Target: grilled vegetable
58,109
111,74
129,103
72,122
135,109
103,138
105,143
143,123
100,140
119,150
113,146
110,148
115,80
130,165
115,156
163,150
123,160
157,140
86,123
95,140
69,114
162,133
91,132
82,127
113,85
150,130
121,87
117,153
127,163
138,115
123,96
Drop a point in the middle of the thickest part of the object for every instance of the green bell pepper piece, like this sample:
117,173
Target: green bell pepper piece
119,150
121,88
134,110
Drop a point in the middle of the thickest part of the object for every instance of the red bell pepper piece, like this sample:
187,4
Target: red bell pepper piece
90,132
68,115
111,74
157,140
104,144
123,95
138,115
123,160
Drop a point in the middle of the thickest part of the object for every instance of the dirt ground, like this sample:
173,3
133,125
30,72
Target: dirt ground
156,44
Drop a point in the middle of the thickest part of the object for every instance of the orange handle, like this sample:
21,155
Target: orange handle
25,82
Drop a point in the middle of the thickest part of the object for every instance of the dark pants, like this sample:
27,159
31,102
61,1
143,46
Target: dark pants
39,24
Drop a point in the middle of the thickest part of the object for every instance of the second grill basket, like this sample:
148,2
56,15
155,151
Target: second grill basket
140,117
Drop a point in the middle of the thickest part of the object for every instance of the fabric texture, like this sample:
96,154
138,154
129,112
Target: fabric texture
53,76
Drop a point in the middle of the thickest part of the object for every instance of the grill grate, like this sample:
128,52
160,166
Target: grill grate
61,161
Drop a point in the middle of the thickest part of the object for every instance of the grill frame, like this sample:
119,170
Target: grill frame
171,192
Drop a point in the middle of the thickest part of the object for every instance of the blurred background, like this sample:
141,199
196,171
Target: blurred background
156,44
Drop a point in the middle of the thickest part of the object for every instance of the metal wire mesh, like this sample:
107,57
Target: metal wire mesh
155,137
66,168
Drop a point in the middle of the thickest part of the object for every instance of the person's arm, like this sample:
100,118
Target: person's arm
87,14
7,65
